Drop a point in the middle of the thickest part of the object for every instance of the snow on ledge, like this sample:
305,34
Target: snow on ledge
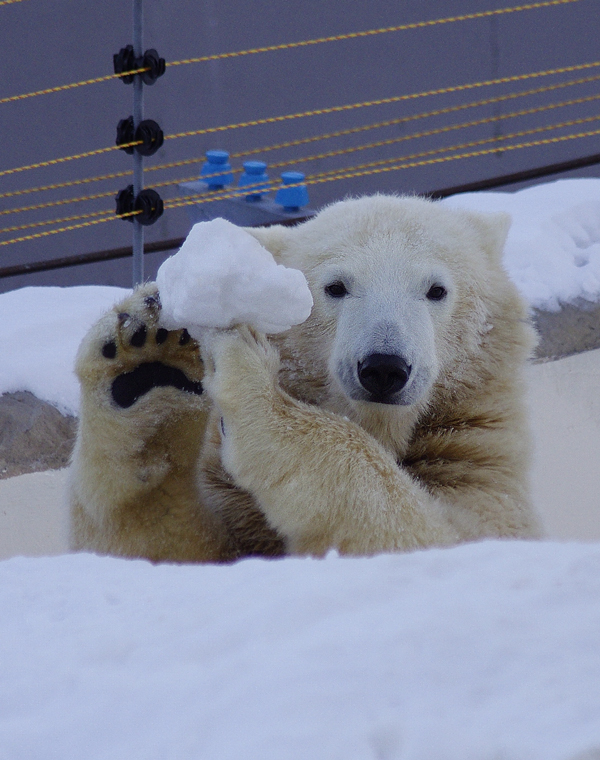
553,249
486,650
40,331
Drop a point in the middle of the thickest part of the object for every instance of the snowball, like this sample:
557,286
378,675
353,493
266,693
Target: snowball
222,276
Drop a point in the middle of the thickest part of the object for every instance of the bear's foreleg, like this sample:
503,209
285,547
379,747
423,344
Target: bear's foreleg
321,481
134,481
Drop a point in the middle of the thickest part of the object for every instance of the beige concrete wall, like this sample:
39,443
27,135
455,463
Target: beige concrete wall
564,402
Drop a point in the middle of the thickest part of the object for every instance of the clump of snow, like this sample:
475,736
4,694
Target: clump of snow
40,332
481,651
553,249
222,276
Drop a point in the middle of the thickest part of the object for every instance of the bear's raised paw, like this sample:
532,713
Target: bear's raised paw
127,353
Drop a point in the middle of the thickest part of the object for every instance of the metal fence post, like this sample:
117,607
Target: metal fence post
138,159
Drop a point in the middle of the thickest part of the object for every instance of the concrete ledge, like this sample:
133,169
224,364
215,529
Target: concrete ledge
572,330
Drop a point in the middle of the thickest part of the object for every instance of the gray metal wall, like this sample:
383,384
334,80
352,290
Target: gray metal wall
49,43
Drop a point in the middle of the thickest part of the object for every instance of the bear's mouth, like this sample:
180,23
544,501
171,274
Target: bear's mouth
127,388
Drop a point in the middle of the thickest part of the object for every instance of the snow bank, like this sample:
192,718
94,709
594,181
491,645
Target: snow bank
482,651
40,332
222,276
553,249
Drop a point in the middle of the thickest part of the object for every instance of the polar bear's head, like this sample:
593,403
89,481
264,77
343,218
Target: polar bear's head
404,293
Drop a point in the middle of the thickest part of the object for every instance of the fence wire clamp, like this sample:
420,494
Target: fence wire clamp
125,60
148,204
148,134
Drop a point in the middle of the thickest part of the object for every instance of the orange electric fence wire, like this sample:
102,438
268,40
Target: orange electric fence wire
470,144
62,202
303,43
438,131
372,32
47,222
67,229
412,117
54,161
320,112
327,136
192,200
62,87
382,162
431,152
73,182
342,151
383,101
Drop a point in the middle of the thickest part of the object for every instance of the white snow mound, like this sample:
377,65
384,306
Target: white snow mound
552,253
222,276
478,652
40,331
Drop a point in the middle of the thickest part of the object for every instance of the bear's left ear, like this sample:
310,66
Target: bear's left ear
274,239
492,230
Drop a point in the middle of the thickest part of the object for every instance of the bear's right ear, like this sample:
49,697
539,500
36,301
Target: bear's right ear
492,230
274,239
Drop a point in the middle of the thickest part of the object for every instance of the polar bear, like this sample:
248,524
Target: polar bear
391,420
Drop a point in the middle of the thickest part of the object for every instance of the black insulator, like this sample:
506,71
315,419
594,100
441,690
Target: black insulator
155,65
125,200
150,204
150,135
125,134
124,60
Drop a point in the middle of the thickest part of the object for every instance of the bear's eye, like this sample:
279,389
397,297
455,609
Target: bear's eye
336,289
437,293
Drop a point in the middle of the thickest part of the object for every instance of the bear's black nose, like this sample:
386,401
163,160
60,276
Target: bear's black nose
383,375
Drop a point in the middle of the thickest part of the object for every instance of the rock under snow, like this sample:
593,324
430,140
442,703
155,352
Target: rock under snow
222,276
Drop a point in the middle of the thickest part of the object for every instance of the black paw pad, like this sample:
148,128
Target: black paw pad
161,335
139,337
184,338
130,386
109,350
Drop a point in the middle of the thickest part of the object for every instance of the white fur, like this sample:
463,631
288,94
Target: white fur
296,453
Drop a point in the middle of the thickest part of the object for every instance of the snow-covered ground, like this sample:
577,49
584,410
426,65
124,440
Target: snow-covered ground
483,652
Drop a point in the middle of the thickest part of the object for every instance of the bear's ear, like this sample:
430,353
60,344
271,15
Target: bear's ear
492,230
274,239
